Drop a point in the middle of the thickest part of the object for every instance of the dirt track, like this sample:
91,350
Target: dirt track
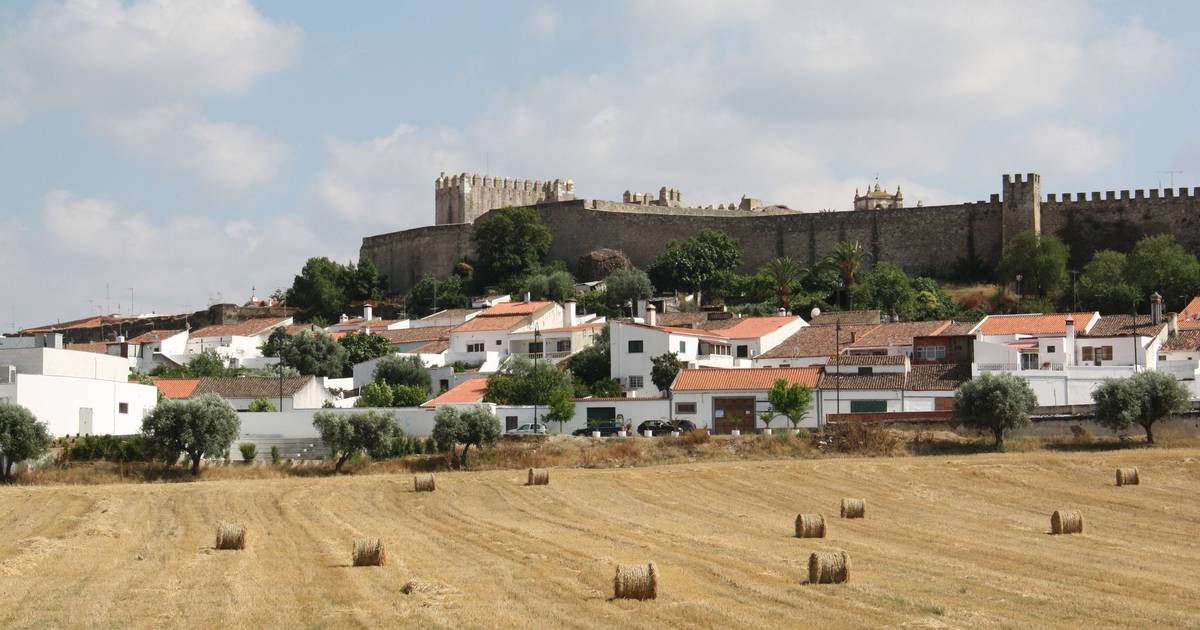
947,542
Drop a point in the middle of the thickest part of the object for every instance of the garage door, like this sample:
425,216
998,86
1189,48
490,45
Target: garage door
733,413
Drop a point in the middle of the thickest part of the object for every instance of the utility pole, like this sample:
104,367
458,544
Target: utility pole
1171,174
1074,293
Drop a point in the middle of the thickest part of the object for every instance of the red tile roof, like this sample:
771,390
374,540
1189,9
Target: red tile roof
898,333
1124,326
248,328
857,318
867,359
466,392
96,347
492,323
154,335
754,327
413,335
1185,341
515,308
1035,324
720,379
433,347
814,341
176,388
94,321
252,386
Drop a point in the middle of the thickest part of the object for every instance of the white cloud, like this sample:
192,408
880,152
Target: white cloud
543,21
108,54
1068,150
225,155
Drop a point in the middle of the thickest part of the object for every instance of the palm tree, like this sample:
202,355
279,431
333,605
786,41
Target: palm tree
848,258
784,273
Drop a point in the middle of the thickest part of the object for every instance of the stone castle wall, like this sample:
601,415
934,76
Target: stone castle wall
465,197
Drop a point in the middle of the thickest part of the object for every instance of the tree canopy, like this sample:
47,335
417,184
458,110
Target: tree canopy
693,265
474,426
22,437
204,426
627,286
664,368
313,353
1040,260
347,434
520,382
431,294
398,370
509,242
1103,285
887,288
361,347
792,401
1142,399
324,289
995,403
556,285
1160,263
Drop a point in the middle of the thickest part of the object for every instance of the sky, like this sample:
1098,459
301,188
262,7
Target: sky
162,155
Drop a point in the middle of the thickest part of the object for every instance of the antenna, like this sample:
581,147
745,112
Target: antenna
1172,174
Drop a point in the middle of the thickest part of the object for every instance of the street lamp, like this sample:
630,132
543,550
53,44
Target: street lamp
537,342
1019,278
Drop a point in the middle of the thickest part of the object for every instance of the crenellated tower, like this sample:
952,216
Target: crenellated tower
1022,206
464,197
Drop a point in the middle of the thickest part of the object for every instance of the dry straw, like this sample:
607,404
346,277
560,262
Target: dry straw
539,477
636,582
854,508
1127,476
1066,522
810,526
231,536
423,483
369,552
828,567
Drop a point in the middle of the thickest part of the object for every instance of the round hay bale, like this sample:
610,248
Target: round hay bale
636,582
1066,522
810,526
1127,476
854,508
231,536
828,567
598,263
424,483
369,552
539,477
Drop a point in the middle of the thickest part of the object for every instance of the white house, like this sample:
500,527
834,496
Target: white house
295,392
74,392
239,344
888,384
484,340
160,347
367,323
812,345
727,399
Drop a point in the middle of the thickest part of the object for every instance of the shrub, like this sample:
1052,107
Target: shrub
275,455
862,438
996,403
261,405
249,451
199,427
349,434
695,438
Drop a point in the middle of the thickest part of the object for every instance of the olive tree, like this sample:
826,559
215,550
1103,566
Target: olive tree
1143,399
199,427
351,433
21,437
475,426
792,401
996,403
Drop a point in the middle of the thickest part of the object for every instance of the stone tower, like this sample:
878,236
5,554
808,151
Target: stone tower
463,198
876,198
1022,209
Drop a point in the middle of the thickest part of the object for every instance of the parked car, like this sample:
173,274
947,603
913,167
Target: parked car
665,427
605,427
530,428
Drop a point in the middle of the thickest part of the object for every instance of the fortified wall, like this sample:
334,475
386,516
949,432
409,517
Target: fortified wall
927,240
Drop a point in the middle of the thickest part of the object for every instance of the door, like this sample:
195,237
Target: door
85,421
733,413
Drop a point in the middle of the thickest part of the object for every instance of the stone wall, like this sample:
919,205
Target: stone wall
404,257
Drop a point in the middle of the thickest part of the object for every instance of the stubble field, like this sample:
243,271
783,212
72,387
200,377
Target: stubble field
947,542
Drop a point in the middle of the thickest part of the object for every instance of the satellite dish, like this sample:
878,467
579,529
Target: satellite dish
815,312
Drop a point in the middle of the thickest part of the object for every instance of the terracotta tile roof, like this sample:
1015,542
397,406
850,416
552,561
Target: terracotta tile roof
938,377
450,313
251,386
577,327
754,327
712,379
867,359
682,320
1035,324
96,347
413,335
296,329
856,318
814,341
466,392
1185,341
1124,326
433,347
515,308
94,321
154,335
1192,310
489,323
248,328
176,388
898,333
956,329
881,380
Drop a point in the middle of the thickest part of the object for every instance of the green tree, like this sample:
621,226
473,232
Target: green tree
316,354
599,303
450,292
204,426
1040,260
278,338
1159,263
887,288
556,285
784,275
996,403
664,368
521,382
398,370
592,364
1102,285
627,286
693,264
352,433
932,302
847,258
561,408
791,401
249,451
447,427
606,388
377,394
509,242
261,405
474,426
361,347
324,289
22,437
1143,399
409,395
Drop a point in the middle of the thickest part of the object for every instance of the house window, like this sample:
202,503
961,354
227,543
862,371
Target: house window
564,345
122,407
866,370
499,342
635,346
1104,353
743,352
443,384
1049,348
685,408
535,347
931,353
511,423
475,347
868,406
682,347
635,382
1087,353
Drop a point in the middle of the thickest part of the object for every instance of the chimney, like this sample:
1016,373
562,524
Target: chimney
1069,342
1155,309
1173,325
368,312
852,336
343,319
651,315
783,312
569,313
527,298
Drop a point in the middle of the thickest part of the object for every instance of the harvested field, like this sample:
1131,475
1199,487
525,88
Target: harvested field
958,541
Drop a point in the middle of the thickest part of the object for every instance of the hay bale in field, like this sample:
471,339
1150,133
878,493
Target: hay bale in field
854,508
369,552
810,526
828,567
424,483
231,536
1066,522
1127,476
636,582
539,477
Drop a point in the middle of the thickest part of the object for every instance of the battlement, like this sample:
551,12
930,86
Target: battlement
464,197
1173,194
667,197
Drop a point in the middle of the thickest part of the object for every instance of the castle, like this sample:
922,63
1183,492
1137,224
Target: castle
929,240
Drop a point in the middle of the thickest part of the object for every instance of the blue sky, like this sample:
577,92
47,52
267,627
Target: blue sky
193,150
